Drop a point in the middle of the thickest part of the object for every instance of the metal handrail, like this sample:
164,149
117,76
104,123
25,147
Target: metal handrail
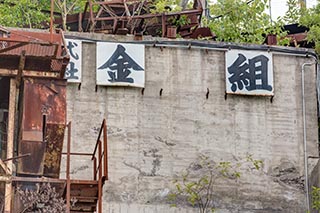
100,131
101,146
102,157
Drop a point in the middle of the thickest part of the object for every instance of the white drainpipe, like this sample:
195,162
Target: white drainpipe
305,135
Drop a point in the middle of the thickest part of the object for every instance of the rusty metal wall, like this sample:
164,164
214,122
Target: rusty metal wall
54,137
42,126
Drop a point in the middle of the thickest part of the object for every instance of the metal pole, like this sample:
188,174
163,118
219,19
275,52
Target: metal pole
270,13
68,199
302,4
105,149
51,21
100,177
305,136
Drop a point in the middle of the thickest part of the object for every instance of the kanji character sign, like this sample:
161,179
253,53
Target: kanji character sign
73,71
120,64
249,72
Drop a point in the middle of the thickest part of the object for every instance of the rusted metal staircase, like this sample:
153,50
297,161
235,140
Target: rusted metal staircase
80,195
86,195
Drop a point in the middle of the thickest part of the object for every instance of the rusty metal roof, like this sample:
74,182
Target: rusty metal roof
42,51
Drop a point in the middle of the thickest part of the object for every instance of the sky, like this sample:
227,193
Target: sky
279,7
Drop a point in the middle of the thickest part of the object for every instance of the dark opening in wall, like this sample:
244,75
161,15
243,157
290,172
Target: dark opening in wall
4,106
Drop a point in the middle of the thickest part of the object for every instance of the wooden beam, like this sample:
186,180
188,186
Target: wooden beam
29,73
7,179
10,142
22,62
8,72
5,168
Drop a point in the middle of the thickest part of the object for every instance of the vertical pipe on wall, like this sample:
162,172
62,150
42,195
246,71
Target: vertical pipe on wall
68,198
305,135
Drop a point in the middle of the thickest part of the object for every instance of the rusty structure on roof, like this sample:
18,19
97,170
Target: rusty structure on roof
137,17
33,123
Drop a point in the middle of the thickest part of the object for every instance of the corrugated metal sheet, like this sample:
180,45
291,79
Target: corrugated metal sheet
36,43
43,51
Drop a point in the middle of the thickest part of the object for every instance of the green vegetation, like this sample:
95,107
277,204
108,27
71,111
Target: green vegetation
161,6
244,21
238,21
293,14
196,186
24,13
34,13
241,21
66,7
315,195
311,19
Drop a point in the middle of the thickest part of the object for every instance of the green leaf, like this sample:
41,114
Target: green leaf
173,205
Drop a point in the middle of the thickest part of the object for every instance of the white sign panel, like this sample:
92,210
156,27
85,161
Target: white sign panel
120,64
249,72
74,68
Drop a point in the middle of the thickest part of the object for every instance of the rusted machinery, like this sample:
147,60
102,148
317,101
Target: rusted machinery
33,122
135,16
138,17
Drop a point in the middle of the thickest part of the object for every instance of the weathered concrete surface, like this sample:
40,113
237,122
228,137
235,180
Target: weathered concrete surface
152,138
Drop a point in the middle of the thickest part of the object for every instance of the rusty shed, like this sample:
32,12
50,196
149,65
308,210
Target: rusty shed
33,122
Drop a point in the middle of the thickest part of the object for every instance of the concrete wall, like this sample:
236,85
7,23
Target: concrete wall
153,138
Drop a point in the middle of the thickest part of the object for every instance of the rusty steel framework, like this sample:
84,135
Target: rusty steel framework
135,17
87,193
34,64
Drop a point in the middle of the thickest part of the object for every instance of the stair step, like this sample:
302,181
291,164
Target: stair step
83,207
86,195
84,189
86,199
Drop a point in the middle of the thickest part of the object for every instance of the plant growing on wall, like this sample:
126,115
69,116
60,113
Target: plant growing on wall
315,195
196,186
43,199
